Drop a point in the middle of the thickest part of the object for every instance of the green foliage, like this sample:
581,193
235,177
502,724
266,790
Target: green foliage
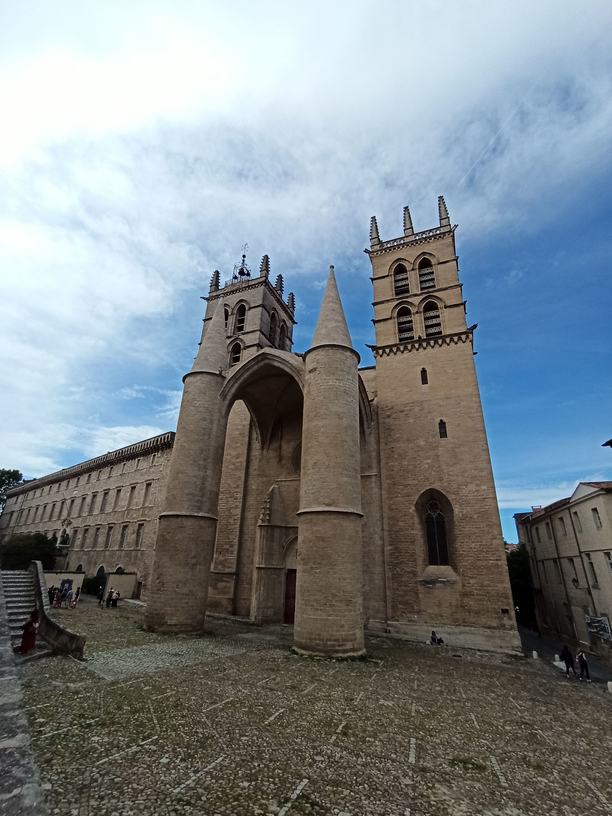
8,479
522,588
19,550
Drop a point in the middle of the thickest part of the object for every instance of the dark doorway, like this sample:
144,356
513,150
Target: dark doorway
290,595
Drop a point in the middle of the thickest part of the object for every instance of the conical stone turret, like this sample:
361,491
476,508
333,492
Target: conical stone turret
188,522
329,592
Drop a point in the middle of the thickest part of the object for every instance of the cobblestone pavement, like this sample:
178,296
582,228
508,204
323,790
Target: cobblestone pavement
234,723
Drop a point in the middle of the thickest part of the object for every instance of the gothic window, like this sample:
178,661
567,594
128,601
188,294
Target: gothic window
432,319
282,338
435,530
226,316
235,353
240,318
427,277
273,328
405,325
424,377
401,282
442,429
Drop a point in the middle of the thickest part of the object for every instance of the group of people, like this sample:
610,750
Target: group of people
583,665
112,598
63,596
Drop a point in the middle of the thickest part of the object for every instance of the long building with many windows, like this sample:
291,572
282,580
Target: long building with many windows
103,512
570,553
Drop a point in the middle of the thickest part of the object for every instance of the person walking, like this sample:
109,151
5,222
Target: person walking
114,599
584,666
101,596
51,592
566,657
109,598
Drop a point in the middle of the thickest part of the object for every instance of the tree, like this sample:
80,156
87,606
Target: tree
522,588
8,479
18,551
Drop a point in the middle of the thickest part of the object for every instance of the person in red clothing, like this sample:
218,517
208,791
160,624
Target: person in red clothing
28,639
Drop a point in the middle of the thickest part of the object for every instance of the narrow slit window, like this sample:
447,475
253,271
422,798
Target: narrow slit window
442,429
424,377
273,328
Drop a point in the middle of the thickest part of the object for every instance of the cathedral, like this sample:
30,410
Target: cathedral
305,489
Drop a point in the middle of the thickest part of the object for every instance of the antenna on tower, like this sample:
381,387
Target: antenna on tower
241,270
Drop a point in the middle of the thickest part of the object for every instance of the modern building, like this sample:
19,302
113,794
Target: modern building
570,553
303,488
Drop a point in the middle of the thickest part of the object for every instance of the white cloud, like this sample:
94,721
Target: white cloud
104,439
142,145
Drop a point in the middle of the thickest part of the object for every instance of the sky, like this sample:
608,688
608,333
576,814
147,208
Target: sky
143,143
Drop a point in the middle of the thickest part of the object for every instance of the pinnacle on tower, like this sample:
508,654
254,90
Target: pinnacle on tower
331,325
280,284
215,281
408,228
264,266
374,236
212,354
443,212
291,302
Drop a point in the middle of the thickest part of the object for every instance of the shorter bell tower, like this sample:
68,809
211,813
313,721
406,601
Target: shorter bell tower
256,315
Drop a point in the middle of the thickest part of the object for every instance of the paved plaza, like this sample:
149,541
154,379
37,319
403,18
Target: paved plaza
233,723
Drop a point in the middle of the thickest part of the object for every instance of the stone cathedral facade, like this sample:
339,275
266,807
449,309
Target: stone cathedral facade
304,489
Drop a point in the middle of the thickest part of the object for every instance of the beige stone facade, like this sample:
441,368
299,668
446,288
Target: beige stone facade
570,553
304,489
105,508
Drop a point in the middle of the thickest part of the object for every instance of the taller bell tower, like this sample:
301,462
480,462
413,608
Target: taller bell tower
446,562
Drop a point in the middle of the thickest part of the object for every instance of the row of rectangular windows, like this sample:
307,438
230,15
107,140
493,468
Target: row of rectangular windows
99,474
80,538
597,523
594,581
81,510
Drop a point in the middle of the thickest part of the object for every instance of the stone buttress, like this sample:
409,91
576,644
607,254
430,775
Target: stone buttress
329,592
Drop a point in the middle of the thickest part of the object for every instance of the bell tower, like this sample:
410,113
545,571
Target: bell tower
447,563
256,315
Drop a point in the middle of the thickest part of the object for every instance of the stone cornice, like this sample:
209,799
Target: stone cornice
155,443
424,237
422,343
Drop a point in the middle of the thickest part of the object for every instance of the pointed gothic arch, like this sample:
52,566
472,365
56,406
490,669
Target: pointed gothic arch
432,319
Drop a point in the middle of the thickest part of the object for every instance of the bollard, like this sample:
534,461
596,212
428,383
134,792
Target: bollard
610,687
534,654
557,659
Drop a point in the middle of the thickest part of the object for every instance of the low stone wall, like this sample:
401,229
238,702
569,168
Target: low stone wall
57,636
20,791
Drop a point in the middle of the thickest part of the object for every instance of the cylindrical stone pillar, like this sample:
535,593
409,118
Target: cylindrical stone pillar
329,591
178,592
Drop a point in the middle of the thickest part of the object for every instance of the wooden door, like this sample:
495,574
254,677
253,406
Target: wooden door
290,595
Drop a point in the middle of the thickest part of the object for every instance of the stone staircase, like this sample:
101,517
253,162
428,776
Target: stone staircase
19,598
20,601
